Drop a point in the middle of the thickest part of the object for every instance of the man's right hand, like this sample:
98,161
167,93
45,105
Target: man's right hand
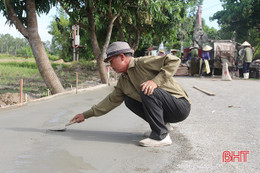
78,118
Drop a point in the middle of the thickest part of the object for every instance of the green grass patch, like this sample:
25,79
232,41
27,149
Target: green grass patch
6,56
57,64
30,65
20,68
12,57
53,57
9,73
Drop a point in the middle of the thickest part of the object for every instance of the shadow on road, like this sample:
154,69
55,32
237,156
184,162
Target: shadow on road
90,135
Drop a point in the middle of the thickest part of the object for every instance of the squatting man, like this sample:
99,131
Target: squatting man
147,87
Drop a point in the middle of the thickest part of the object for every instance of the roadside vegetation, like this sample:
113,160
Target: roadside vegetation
13,68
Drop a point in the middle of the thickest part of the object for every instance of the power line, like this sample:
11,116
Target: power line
211,7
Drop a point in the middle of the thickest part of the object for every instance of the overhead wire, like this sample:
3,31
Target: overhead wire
210,7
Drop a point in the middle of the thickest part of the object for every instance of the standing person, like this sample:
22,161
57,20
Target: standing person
204,61
247,58
174,52
161,53
193,53
148,89
193,60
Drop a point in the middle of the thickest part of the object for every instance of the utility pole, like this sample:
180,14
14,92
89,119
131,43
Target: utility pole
75,42
199,36
181,38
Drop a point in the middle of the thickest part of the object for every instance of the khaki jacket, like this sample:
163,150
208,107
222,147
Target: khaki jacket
248,54
160,69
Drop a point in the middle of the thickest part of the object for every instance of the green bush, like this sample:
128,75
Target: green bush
56,64
53,57
67,58
86,63
24,52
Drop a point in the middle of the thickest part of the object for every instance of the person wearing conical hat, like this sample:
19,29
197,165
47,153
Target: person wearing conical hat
247,58
246,44
193,52
204,61
161,52
174,51
192,63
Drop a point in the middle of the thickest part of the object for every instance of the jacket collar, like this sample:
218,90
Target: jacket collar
131,63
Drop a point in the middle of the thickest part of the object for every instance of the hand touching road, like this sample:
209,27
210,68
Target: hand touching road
78,118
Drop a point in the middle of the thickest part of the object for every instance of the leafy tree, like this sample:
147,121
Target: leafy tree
87,14
7,41
211,32
153,22
25,51
16,46
22,14
240,19
61,30
134,20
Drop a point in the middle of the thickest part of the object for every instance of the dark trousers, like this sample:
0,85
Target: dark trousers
246,67
202,68
158,109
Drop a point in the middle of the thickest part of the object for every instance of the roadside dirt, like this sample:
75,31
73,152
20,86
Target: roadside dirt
13,98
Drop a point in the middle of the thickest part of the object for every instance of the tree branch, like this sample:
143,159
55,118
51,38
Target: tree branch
113,18
12,16
64,7
70,15
31,16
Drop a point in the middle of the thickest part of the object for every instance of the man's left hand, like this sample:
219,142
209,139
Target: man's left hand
148,87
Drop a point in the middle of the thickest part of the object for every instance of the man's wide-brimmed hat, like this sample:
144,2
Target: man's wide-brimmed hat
207,48
117,48
246,44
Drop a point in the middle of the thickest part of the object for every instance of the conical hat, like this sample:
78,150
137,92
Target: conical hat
174,50
207,48
246,44
162,51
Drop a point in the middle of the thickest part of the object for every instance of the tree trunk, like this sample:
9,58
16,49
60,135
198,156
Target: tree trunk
96,49
134,42
137,40
49,76
108,37
31,34
120,31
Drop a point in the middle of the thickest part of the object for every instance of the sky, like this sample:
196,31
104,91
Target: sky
209,7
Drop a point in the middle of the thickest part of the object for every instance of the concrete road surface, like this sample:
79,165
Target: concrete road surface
228,121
